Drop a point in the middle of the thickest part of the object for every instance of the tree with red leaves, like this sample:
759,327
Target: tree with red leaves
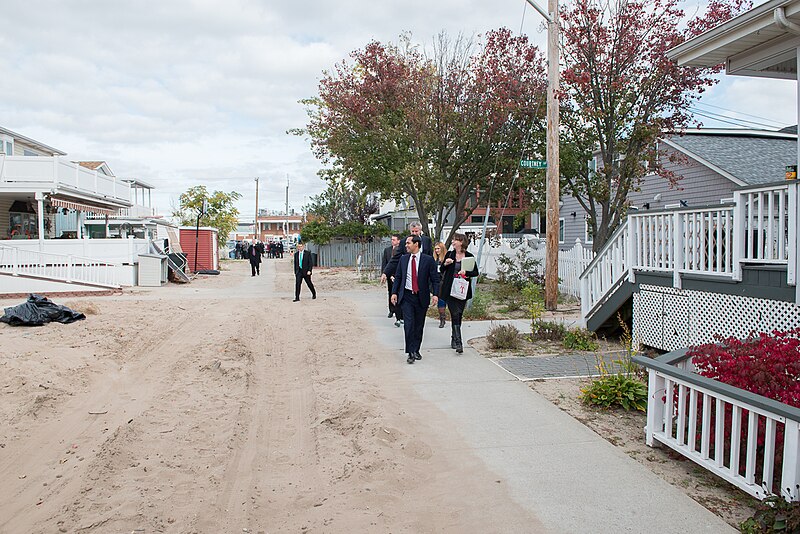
433,129
620,93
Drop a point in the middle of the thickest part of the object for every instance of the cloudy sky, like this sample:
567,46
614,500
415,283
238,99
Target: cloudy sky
186,92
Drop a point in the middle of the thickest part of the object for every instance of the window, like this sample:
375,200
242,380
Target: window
561,230
478,219
6,145
26,152
588,233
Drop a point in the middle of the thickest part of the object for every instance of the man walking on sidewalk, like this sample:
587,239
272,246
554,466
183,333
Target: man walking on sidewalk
302,271
415,280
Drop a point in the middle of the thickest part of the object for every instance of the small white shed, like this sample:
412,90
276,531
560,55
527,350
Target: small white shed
152,270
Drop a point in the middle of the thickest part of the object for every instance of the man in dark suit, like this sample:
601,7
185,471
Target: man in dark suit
388,252
303,264
415,280
254,251
426,247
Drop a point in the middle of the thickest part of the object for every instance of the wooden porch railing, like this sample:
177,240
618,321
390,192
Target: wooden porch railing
759,227
728,431
59,267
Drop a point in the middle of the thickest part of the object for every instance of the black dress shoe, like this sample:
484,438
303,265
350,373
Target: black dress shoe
296,300
313,297
390,314
411,358
417,356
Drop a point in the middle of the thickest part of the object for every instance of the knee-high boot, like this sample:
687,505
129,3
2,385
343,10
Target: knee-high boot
442,318
457,334
452,336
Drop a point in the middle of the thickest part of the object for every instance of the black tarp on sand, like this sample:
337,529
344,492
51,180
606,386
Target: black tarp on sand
39,310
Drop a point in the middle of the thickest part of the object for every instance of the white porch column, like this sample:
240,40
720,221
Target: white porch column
81,218
40,218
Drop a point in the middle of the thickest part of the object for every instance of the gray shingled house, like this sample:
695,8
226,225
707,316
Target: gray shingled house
715,163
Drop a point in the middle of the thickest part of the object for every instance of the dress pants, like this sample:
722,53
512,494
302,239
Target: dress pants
394,309
298,279
414,320
255,268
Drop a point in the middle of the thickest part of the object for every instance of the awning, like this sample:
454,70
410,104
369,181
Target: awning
78,206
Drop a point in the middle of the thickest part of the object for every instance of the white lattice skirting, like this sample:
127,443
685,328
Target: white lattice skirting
669,319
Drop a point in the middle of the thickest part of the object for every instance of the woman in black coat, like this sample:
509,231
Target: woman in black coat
450,269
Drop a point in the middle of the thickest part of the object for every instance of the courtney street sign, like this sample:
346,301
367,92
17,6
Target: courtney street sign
533,164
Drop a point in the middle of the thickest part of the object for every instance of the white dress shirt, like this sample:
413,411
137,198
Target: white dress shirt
408,274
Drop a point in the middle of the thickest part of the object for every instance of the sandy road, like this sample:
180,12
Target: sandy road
224,407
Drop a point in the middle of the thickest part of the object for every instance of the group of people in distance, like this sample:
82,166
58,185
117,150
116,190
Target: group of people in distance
417,274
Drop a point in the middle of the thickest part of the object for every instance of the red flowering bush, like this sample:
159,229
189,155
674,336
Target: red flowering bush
764,364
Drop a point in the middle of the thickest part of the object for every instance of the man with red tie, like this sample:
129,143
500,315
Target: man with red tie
415,280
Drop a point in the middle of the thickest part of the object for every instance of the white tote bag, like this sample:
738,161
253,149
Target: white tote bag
459,289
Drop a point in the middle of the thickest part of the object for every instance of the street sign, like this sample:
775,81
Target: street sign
533,164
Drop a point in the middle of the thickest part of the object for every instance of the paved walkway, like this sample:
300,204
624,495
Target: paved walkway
569,477
560,366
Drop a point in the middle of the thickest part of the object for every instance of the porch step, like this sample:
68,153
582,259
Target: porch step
604,314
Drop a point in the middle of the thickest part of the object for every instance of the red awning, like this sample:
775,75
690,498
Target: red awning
78,206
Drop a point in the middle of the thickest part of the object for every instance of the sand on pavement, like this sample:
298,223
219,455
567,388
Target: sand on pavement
222,406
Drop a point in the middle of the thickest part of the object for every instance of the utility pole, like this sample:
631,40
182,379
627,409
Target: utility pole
286,220
553,174
255,226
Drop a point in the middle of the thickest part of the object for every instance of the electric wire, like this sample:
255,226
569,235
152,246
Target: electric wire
725,118
701,103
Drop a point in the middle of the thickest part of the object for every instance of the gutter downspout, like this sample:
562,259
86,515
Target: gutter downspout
779,15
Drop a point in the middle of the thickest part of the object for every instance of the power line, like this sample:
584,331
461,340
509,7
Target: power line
729,120
739,113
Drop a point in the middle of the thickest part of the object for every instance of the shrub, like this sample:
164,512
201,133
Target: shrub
503,336
764,364
517,271
479,309
773,514
547,331
534,302
508,295
612,390
580,339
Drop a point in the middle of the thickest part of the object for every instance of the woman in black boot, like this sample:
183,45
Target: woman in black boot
456,300
439,252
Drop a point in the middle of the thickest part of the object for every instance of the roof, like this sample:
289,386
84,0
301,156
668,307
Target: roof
141,184
746,157
90,164
755,43
32,142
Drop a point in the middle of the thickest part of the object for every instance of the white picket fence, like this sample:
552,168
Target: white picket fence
61,267
571,263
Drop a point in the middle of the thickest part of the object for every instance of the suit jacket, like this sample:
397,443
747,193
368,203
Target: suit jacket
254,251
427,278
426,247
449,272
308,263
388,252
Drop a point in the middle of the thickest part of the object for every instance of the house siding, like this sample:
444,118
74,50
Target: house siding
699,185
5,205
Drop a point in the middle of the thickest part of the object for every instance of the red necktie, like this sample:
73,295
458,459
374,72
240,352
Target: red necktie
414,283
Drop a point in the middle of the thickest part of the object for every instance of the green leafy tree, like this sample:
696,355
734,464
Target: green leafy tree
221,212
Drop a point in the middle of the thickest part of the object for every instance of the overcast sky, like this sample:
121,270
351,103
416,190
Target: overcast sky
187,92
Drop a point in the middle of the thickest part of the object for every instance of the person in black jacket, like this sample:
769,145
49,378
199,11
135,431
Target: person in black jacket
451,269
303,264
388,252
254,253
426,247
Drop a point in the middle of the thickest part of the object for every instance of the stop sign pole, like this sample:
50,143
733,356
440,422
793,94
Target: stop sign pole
553,175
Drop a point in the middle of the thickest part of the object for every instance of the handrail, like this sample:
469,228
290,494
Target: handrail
608,245
666,364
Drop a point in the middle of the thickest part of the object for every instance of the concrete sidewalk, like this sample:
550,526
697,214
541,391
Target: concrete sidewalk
569,477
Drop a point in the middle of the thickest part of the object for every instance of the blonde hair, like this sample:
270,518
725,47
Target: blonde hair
439,257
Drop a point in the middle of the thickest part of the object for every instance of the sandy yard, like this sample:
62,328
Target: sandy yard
221,406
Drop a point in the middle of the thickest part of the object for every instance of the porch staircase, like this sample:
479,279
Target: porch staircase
716,246
67,269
